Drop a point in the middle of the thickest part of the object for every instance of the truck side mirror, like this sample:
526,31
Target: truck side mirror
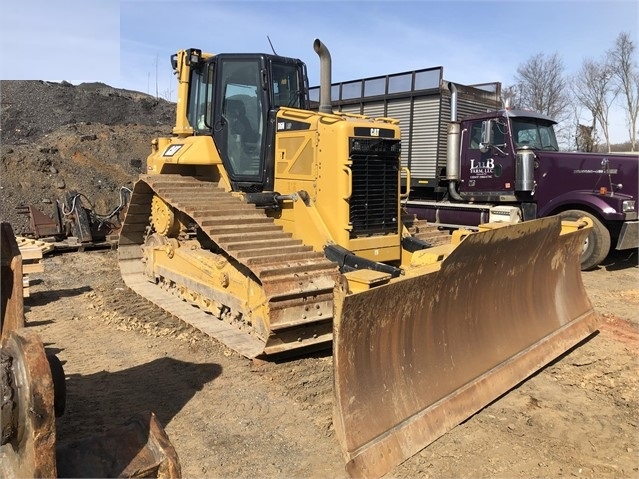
486,136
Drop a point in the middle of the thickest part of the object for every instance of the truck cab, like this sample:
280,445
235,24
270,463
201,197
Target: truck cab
497,155
511,158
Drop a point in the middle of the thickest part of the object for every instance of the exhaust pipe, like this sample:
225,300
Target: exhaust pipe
452,155
325,76
453,101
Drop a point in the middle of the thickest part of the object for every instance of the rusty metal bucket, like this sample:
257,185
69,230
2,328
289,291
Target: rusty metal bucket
12,302
416,357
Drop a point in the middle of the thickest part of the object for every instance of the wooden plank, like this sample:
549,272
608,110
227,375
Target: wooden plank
33,268
25,286
27,243
30,253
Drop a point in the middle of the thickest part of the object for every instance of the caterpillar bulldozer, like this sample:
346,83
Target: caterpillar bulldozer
278,229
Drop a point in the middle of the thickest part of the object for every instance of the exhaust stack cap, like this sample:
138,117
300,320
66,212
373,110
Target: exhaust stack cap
325,76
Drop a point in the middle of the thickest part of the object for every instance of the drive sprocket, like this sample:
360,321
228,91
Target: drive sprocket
163,217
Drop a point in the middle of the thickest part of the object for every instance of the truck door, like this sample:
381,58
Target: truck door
487,171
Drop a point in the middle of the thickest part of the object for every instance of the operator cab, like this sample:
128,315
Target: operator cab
235,98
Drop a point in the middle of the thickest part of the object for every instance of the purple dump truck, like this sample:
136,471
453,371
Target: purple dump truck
506,166
495,164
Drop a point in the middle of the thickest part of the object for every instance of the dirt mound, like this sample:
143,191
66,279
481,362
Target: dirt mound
57,137
30,109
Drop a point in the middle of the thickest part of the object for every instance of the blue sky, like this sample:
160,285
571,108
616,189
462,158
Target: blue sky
127,44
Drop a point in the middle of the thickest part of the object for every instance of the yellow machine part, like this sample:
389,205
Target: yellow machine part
417,356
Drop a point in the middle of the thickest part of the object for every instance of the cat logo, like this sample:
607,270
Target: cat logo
374,131
172,150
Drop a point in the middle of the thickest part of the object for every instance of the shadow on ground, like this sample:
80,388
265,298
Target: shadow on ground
618,260
96,402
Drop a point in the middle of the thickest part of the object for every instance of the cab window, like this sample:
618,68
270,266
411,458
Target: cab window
498,133
287,90
199,111
536,134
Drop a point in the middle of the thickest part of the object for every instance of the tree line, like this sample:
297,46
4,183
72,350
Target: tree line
581,103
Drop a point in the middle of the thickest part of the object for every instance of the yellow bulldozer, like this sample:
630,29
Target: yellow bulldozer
284,226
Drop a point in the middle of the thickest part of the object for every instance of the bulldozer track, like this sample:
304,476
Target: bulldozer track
297,281
126,305
425,231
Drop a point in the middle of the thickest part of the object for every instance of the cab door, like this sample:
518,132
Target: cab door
487,171
240,120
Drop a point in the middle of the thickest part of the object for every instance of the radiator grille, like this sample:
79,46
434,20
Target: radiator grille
374,202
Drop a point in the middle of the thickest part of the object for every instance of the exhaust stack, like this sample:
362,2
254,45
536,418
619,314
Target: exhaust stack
452,155
325,76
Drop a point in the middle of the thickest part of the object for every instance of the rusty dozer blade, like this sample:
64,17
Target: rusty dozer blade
416,357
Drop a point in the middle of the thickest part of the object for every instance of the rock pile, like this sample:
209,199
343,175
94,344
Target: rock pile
57,137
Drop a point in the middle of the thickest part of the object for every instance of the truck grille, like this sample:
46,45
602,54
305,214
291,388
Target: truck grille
374,203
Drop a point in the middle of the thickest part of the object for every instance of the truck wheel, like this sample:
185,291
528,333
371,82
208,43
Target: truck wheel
597,244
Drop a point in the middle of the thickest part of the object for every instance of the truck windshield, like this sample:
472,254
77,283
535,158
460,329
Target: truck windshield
537,134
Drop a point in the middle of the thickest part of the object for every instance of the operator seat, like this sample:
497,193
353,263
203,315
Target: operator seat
239,123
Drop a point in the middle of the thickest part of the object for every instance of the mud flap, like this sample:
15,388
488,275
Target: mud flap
419,355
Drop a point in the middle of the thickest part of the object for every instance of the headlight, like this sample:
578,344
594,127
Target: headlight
627,206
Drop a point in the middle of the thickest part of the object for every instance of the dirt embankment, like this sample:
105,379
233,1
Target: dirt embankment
57,138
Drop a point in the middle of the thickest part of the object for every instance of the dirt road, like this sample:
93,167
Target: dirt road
229,417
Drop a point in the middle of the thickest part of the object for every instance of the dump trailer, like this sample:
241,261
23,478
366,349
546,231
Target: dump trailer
473,161
285,227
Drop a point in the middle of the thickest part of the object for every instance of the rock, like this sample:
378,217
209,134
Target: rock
44,164
60,184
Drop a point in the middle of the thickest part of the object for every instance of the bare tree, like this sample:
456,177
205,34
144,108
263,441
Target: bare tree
540,85
585,138
627,79
593,88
